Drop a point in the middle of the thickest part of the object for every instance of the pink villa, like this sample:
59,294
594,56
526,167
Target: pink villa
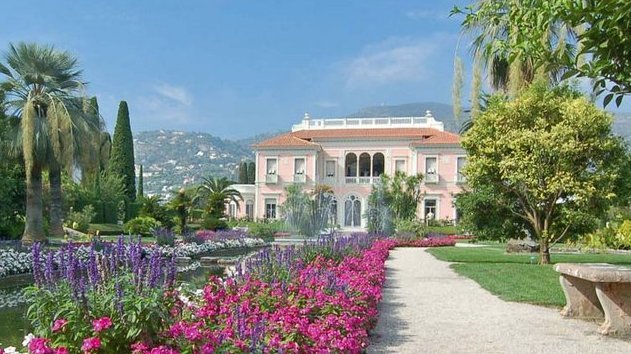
349,155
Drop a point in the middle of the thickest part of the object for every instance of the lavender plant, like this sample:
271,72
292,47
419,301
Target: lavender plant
124,283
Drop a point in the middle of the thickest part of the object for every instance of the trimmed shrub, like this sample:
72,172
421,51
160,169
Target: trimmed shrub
213,223
142,225
80,220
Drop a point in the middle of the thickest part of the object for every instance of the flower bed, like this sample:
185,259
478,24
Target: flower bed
280,303
428,242
14,262
318,298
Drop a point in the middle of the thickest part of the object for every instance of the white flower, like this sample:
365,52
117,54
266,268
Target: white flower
10,350
27,339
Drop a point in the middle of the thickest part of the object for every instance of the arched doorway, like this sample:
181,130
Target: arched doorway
352,211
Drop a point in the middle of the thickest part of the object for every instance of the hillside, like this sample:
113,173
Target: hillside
175,158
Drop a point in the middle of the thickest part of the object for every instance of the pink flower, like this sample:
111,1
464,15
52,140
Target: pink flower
59,324
39,346
91,344
62,350
101,324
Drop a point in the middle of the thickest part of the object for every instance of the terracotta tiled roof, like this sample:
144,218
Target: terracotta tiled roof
308,138
285,140
439,138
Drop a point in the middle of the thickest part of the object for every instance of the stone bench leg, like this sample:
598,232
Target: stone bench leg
616,302
581,298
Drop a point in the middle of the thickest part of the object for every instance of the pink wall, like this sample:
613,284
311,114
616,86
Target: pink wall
443,190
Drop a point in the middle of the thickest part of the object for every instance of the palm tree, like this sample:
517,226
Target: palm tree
42,85
215,193
493,31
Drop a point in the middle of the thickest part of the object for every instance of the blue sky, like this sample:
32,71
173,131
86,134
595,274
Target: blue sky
239,68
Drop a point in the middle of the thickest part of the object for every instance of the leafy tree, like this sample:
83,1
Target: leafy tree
215,193
551,156
141,189
12,186
121,162
151,206
41,85
243,173
486,213
182,205
404,194
251,172
559,38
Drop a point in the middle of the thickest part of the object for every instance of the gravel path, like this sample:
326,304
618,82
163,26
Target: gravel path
428,308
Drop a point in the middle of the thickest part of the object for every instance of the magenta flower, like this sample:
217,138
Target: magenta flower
39,346
101,324
61,350
59,324
91,344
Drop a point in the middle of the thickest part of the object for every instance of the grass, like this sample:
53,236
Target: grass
106,229
512,277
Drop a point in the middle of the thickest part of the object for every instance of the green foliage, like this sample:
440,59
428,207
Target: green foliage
251,172
215,193
13,196
559,38
409,228
104,193
484,215
152,206
140,316
551,157
243,173
182,205
265,230
213,223
80,220
164,237
122,159
141,225
623,237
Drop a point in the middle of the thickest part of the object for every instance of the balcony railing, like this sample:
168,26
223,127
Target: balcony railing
271,179
361,180
431,178
300,178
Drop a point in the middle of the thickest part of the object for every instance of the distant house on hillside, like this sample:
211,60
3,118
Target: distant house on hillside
349,154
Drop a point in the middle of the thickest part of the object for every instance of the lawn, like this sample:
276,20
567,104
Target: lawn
512,277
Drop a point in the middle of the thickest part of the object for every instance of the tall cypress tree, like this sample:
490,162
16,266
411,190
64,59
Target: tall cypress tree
243,173
122,159
251,172
141,189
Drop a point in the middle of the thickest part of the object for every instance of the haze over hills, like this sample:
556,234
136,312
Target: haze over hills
172,159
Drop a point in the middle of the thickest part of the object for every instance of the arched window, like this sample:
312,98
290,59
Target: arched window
378,164
352,211
350,166
364,165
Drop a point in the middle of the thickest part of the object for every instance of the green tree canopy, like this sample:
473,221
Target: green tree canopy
214,193
251,172
121,161
551,155
243,173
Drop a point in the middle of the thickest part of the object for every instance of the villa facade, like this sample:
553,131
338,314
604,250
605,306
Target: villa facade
349,155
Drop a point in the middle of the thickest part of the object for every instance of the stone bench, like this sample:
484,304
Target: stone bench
596,291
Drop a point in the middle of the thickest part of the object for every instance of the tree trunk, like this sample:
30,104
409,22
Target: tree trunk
544,251
34,224
56,213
